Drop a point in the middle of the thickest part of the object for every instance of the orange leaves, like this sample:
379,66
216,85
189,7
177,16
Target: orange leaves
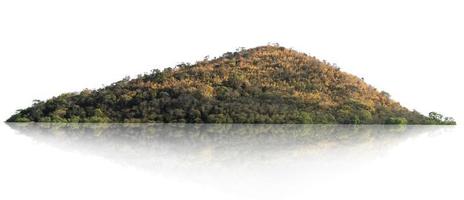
206,90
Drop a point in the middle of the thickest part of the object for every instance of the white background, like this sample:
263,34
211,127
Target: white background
411,49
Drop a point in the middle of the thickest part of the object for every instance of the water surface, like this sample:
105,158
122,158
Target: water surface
256,161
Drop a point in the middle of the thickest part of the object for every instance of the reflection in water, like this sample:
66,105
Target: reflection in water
266,161
221,146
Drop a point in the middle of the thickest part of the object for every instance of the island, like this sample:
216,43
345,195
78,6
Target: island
267,84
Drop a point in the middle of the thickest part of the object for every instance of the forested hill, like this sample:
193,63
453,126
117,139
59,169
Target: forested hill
268,84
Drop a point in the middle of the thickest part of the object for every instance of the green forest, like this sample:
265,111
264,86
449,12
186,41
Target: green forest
267,84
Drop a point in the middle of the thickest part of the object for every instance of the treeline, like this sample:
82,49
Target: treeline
268,84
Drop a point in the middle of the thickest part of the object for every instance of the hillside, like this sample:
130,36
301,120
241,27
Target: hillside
267,84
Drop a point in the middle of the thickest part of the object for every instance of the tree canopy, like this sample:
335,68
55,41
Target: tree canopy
267,84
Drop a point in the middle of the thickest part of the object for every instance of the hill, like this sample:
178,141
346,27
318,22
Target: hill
268,84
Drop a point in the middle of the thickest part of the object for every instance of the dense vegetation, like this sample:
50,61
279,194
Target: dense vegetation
268,84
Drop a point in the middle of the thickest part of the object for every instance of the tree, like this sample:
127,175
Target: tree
396,120
435,116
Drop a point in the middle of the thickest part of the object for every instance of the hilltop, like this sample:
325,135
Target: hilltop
267,84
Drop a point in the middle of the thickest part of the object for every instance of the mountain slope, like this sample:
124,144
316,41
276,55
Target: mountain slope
267,84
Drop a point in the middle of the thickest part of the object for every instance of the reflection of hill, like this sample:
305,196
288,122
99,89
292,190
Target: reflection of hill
189,146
